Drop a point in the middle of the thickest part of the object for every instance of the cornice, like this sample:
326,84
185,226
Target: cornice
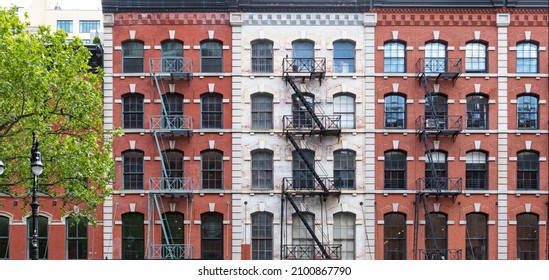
172,18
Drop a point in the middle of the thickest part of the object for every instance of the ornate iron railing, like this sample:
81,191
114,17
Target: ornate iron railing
170,252
310,252
171,184
442,254
439,122
306,122
309,184
439,65
304,65
439,185
172,123
177,65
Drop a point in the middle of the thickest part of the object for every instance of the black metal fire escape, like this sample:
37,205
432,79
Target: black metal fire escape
171,125
433,125
321,186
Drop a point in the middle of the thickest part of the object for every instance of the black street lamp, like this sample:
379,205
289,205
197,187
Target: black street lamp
37,167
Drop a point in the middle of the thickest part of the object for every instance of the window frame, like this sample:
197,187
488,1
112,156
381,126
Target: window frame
531,237
262,110
171,51
522,111
391,167
303,55
301,236
43,229
4,238
135,170
262,56
345,171
262,235
345,234
476,175
394,56
133,222
211,111
213,54
472,240
78,239
213,175
482,111
527,169
345,106
441,239
169,219
61,24
86,26
476,56
134,51
394,221
436,50
522,59
397,100
345,54
302,177
216,220
262,176
133,119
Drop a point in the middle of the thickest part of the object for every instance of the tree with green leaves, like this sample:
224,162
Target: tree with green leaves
46,87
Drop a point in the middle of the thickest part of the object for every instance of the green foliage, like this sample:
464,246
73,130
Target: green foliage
46,87
96,40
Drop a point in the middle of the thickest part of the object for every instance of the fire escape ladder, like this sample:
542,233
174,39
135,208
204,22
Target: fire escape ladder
169,251
307,226
305,103
307,163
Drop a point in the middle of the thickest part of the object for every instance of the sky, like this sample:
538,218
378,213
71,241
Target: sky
64,4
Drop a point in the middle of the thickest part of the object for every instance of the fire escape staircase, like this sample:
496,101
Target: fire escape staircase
435,125
172,125
322,186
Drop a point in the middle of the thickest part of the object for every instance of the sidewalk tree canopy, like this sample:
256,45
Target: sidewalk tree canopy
46,87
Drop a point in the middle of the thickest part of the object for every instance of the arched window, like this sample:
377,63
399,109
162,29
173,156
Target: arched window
394,236
132,170
212,169
344,56
527,236
394,57
211,105
262,56
395,170
436,172
303,54
173,237
477,170
527,57
344,169
262,236
344,106
172,56
302,177
436,233
42,233
435,57
173,175
211,232
262,111
344,234
395,111
476,237
77,238
132,111
4,238
527,112
262,169
302,241
211,56
476,54
527,170
301,117
436,112
133,53
133,236
477,111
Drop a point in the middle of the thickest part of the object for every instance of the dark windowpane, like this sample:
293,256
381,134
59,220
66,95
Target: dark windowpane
394,237
42,233
301,117
302,176
133,231
436,111
77,239
527,112
262,236
212,170
173,231
527,171
436,236
132,57
477,171
262,169
212,111
344,169
211,57
4,237
476,237
172,54
132,111
262,56
132,170
477,112
262,111
211,236
527,237
395,111
395,170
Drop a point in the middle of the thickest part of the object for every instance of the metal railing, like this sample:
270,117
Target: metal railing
439,65
310,252
306,122
171,123
439,122
179,65
439,185
171,184
304,65
441,254
170,252
309,184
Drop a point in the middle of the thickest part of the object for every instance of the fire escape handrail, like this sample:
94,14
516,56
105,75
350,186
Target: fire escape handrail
171,65
304,65
171,122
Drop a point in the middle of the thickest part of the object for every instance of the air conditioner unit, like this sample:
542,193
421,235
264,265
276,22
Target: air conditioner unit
431,124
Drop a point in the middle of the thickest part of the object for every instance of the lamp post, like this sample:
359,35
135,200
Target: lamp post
36,167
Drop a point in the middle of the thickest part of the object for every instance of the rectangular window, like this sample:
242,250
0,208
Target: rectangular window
211,57
65,25
212,170
262,57
344,169
262,111
77,239
344,57
4,238
476,237
262,170
212,111
344,234
262,236
87,26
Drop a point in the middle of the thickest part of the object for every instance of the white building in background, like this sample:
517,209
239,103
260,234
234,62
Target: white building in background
82,18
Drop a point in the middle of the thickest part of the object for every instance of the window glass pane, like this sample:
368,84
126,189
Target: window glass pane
302,177
344,57
477,171
133,231
65,25
394,57
262,169
262,56
527,237
42,234
262,236
132,57
344,106
395,111
436,230
4,237
172,56
344,169
475,57
527,58
527,171
302,241
212,236
476,237
212,170
211,57
344,234
527,112
435,58
262,111
301,117
87,26
394,237
303,56
477,112
132,111
395,170
212,110
77,239
132,170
